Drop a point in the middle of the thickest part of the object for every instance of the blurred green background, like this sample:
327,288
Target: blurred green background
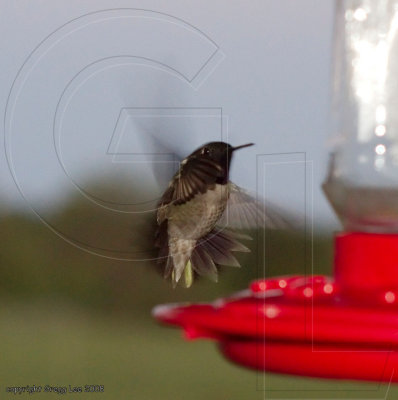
71,317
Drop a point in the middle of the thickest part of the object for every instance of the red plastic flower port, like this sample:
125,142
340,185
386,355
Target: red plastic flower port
346,327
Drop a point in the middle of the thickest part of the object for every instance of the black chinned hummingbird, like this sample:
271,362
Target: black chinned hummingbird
199,201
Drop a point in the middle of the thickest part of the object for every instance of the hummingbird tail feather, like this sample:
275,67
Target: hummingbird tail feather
203,264
181,256
216,249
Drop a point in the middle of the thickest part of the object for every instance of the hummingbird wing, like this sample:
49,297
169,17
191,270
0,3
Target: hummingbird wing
244,211
163,171
194,176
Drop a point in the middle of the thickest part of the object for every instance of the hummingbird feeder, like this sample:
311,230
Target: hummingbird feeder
345,326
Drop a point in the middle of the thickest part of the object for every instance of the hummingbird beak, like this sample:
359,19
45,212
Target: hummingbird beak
242,146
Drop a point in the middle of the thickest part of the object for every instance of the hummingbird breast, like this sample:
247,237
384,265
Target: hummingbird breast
197,217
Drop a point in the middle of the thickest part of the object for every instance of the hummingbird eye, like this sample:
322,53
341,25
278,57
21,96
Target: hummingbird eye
205,151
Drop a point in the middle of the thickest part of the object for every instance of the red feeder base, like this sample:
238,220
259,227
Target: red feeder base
345,327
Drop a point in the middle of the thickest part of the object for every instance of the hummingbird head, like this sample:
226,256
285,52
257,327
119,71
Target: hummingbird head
218,152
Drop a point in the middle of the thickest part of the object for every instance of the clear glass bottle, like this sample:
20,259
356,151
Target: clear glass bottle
362,184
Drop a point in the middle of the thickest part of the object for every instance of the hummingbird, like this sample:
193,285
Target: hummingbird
194,211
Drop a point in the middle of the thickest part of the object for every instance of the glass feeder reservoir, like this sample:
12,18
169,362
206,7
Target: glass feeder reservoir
362,184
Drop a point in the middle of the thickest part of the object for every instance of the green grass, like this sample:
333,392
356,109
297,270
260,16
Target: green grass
135,358
70,318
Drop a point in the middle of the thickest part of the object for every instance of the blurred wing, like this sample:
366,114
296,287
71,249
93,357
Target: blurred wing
195,176
171,157
243,211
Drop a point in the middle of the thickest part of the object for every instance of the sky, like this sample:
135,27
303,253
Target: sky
122,89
